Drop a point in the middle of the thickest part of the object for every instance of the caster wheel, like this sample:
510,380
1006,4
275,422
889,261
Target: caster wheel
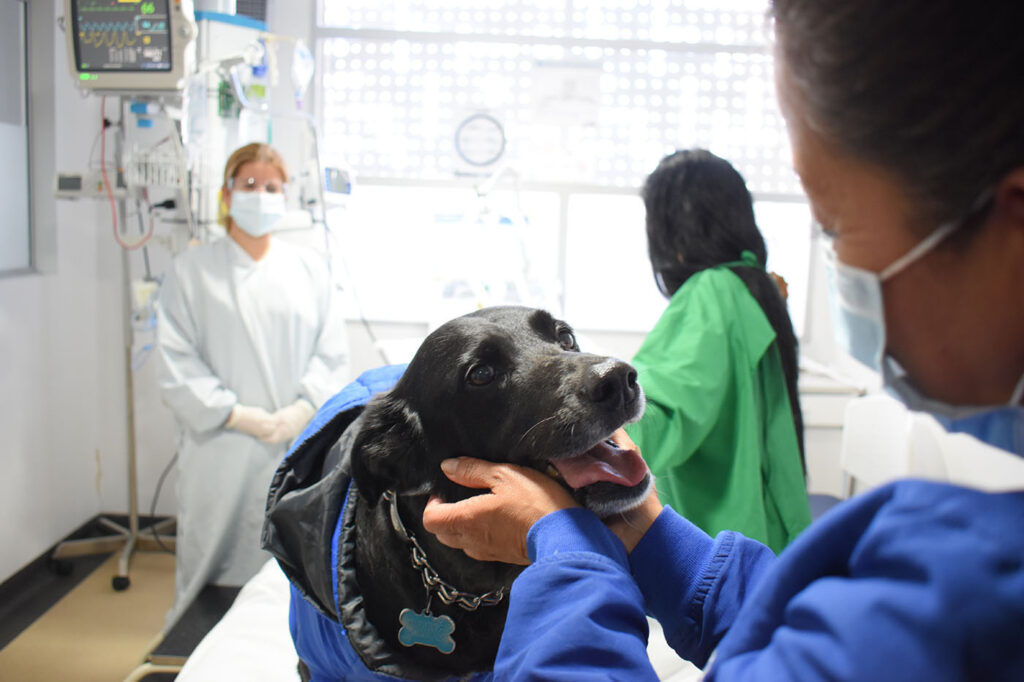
61,567
121,582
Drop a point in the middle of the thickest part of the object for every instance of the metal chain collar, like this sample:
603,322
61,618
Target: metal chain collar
431,580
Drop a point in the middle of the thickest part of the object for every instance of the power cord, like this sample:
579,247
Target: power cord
168,204
156,496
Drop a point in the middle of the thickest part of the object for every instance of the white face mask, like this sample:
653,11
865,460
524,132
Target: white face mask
256,213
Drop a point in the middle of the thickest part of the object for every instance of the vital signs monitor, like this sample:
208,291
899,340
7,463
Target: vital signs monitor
130,46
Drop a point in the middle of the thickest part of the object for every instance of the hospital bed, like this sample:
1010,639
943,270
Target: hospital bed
251,642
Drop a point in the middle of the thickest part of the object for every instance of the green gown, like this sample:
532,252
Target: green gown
718,432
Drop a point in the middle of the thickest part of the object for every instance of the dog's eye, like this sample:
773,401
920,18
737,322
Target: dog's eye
567,340
481,375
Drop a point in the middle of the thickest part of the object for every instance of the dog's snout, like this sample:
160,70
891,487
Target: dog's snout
615,384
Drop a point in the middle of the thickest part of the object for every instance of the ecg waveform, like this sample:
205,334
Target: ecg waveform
125,35
118,34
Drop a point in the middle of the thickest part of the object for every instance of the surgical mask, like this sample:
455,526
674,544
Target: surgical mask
855,299
256,213
858,318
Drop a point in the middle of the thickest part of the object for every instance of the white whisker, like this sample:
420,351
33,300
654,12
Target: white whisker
546,419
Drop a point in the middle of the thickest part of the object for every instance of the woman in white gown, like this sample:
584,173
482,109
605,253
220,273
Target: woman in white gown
251,341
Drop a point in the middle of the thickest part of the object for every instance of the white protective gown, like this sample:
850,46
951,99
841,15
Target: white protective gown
232,330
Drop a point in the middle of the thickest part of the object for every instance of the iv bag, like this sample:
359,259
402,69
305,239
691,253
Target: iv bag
302,70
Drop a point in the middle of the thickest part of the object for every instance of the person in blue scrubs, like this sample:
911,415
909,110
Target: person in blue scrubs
905,121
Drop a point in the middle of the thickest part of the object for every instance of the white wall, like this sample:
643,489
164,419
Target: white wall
62,395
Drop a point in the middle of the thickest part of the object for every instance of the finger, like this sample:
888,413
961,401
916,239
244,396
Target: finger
622,439
442,519
436,518
452,516
470,472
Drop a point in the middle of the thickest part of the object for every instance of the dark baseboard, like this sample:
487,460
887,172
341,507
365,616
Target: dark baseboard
30,592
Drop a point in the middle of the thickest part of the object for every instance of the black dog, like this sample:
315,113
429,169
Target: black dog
505,384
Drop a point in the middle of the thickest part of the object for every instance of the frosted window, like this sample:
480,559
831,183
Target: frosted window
439,253
591,95
669,75
609,283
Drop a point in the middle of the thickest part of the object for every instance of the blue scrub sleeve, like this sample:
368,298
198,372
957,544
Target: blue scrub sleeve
575,613
694,585
913,581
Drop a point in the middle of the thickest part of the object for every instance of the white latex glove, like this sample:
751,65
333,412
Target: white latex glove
289,421
254,421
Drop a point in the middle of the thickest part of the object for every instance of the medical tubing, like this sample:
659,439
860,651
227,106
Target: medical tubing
311,122
103,165
106,184
183,175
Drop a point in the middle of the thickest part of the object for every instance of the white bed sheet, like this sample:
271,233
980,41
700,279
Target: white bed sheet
252,642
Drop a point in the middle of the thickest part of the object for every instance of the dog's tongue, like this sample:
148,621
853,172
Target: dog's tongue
603,462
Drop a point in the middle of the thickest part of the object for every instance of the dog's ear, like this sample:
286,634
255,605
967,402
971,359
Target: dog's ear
390,451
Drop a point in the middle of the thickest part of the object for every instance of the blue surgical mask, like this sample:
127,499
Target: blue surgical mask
855,299
858,318
256,213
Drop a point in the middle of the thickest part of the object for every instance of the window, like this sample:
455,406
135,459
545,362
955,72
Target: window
589,97
14,186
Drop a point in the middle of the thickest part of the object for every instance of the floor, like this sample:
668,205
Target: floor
94,632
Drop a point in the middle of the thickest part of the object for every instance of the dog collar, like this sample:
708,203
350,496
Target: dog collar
431,580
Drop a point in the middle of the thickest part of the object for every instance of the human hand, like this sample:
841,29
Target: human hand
493,526
631,525
289,421
254,421
780,282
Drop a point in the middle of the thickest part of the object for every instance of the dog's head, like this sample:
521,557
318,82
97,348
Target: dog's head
505,384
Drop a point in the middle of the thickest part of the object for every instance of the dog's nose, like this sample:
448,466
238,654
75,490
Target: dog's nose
616,384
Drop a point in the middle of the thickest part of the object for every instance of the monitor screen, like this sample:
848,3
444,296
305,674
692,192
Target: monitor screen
121,35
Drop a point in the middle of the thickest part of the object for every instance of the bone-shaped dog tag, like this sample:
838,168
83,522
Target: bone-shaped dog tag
426,630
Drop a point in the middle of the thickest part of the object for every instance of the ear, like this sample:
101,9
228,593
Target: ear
223,204
390,451
1010,196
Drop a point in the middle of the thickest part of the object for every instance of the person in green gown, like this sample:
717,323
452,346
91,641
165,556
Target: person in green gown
722,431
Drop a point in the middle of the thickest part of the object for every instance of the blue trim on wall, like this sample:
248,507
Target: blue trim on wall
236,19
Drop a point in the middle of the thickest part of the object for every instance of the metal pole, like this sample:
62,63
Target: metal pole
122,580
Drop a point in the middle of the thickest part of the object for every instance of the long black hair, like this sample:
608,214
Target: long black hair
700,214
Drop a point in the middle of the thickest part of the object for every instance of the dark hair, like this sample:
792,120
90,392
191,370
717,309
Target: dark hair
929,90
699,215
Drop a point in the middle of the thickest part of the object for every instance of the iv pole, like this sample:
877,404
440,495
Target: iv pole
124,539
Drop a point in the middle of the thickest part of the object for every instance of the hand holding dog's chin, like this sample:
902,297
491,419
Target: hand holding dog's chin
493,527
